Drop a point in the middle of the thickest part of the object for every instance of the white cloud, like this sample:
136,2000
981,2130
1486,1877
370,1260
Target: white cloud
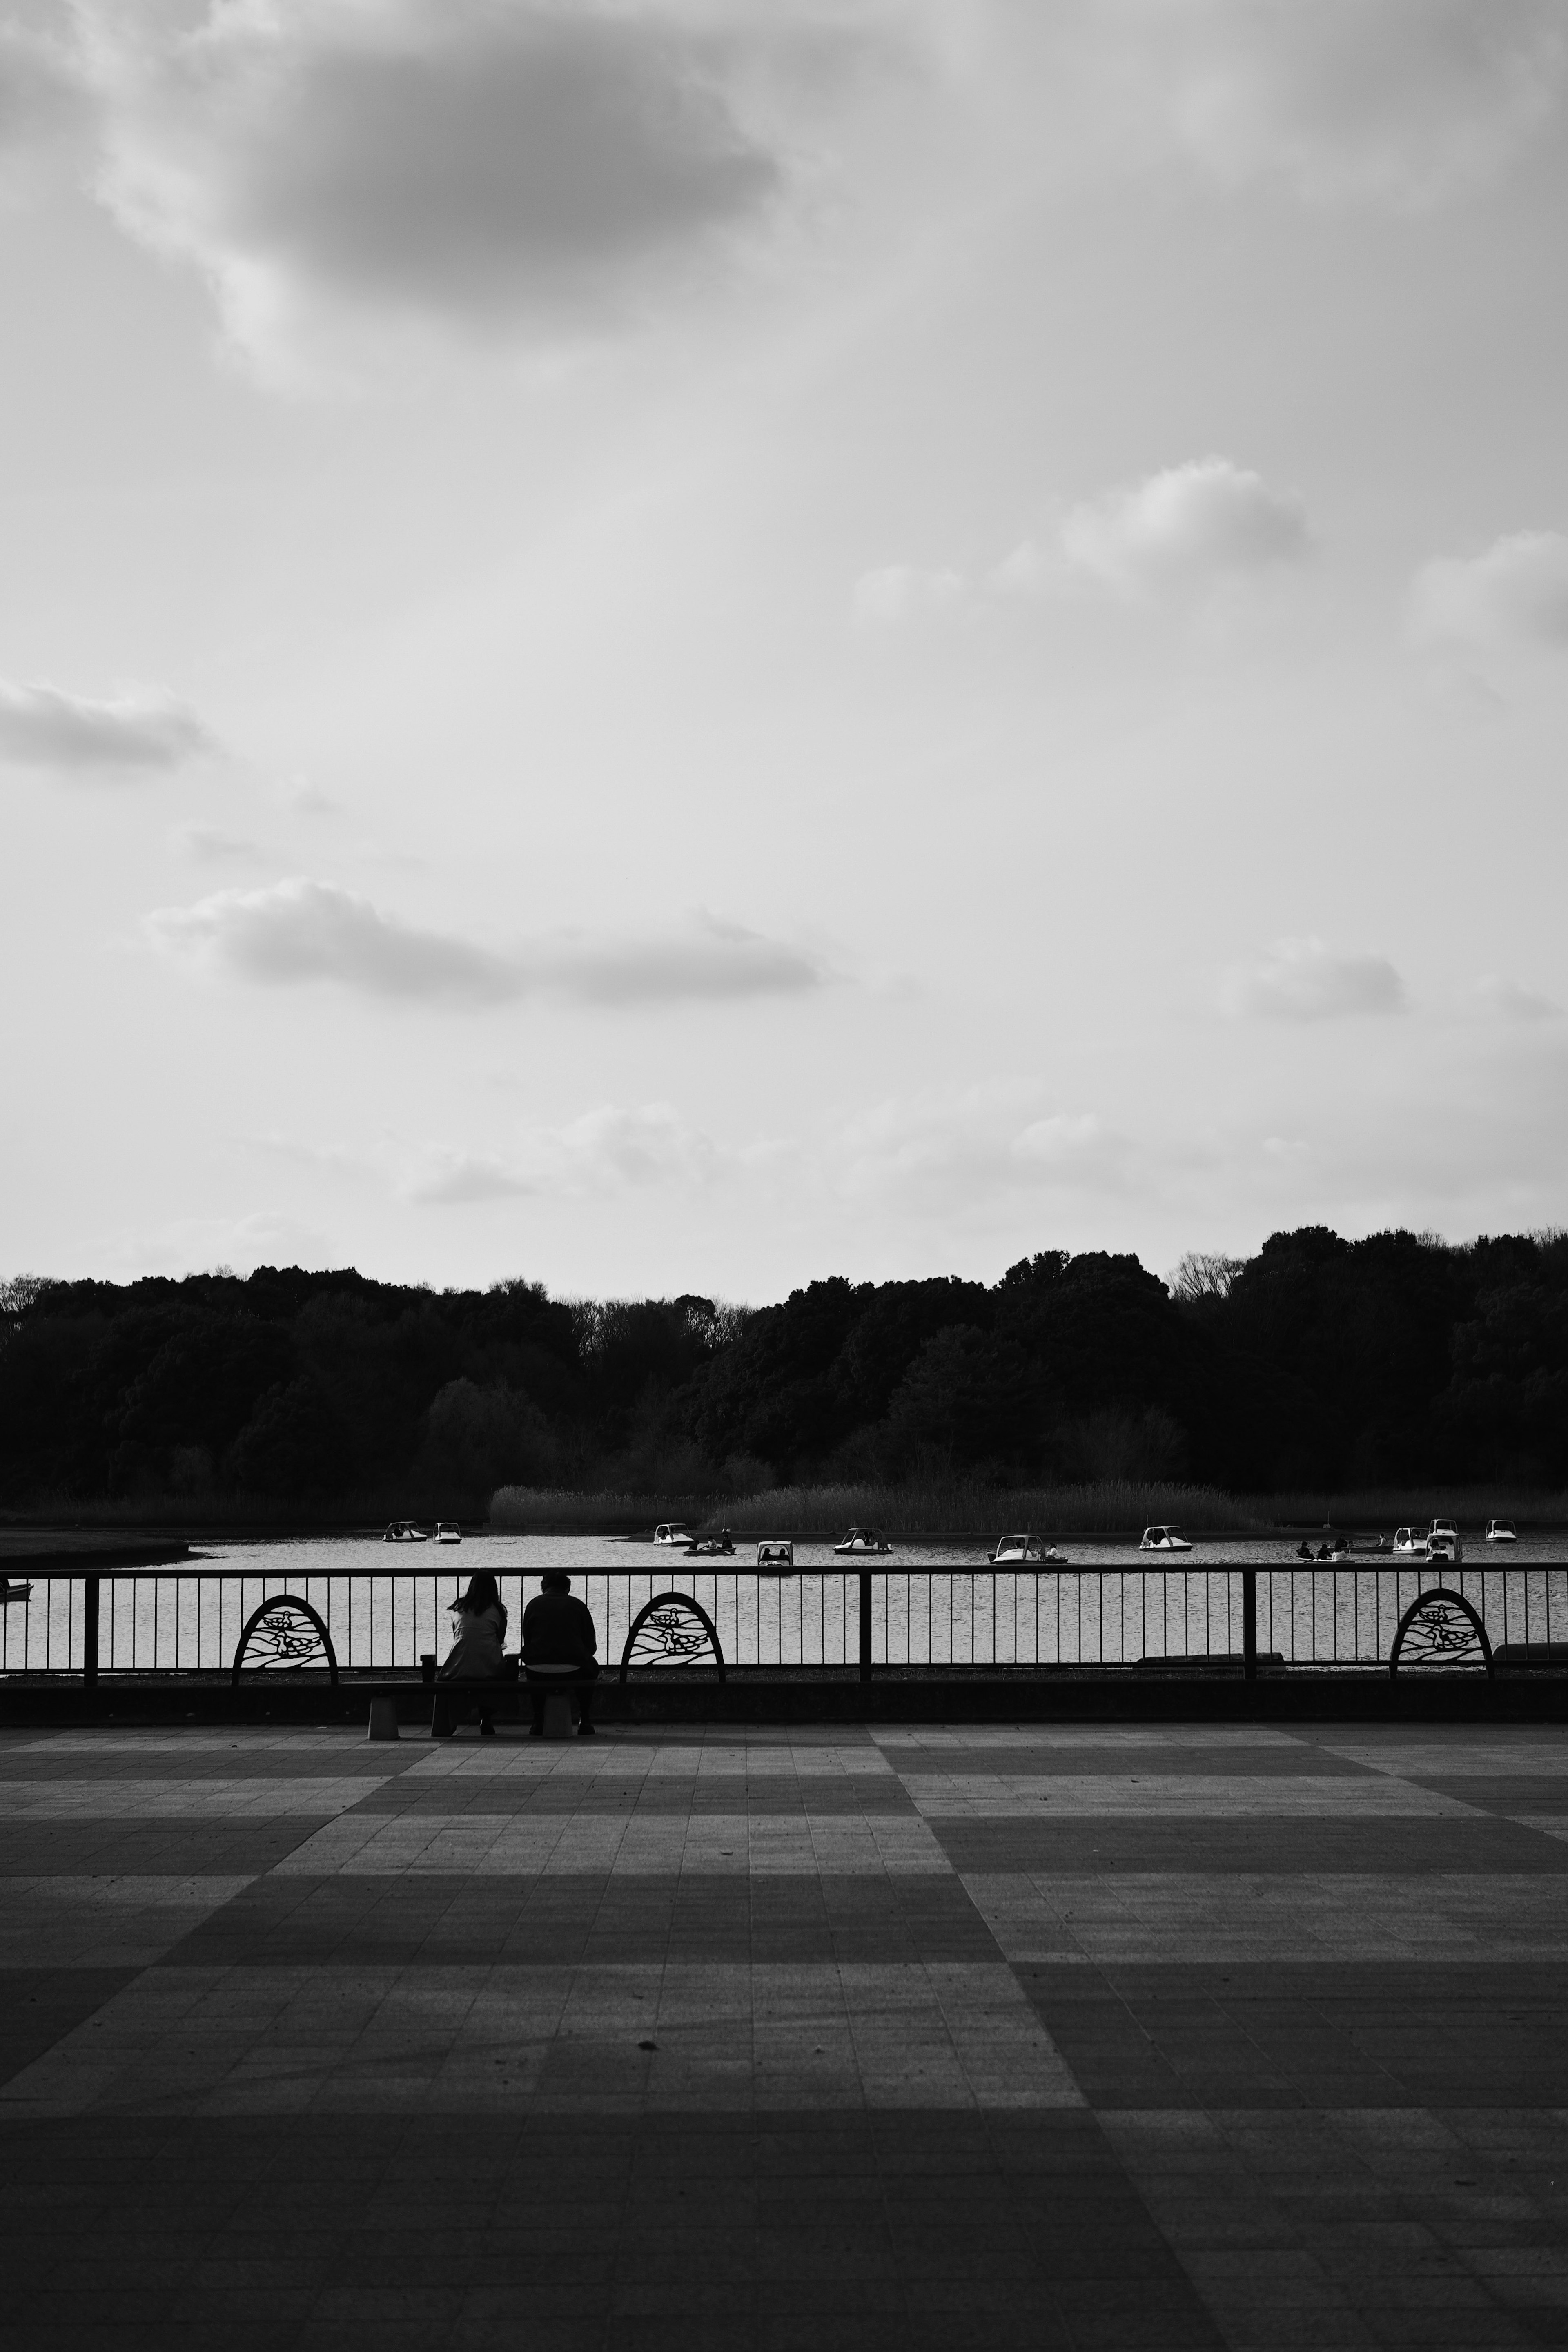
947,1150
300,930
42,726
1307,980
1397,102
615,1149
901,591
1516,593
496,167
1191,526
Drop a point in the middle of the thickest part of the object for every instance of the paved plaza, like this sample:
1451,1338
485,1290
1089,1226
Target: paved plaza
1163,2036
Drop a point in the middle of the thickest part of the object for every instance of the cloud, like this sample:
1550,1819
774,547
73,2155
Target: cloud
945,1150
40,94
210,845
900,591
1498,999
1307,980
615,1149
1395,102
493,166
1191,526
42,726
301,930
1515,593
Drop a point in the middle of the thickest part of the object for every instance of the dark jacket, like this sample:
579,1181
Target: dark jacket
475,1654
558,1631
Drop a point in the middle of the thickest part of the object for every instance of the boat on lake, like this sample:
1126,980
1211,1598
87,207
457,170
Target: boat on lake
404,1531
1443,1541
1409,1543
775,1557
11,1595
448,1531
863,1539
1501,1532
1164,1539
1025,1551
672,1532
719,1547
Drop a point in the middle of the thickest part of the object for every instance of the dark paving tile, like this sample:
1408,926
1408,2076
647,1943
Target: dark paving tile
1392,1848
666,1796
171,1849
534,2228
1496,1792
38,2005
350,1920
131,1764
1371,2036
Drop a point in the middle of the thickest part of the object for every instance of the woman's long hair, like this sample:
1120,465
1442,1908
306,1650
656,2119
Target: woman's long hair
484,1593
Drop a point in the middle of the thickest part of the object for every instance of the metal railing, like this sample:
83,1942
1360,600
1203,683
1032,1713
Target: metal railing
864,1619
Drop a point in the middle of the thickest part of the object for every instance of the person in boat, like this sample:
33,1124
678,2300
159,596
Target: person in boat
1303,1552
560,1645
475,1656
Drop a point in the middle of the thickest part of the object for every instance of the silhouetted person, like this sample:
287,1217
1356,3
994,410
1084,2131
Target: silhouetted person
560,1643
475,1654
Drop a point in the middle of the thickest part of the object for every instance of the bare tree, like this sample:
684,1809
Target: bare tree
1204,1274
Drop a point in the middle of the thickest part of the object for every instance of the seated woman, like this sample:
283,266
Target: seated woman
475,1656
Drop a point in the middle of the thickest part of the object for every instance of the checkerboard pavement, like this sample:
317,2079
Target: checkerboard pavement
1157,2036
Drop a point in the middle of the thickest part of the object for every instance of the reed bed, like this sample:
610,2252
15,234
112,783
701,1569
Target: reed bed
1110,1507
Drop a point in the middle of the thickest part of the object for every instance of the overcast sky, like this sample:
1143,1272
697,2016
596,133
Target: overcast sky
678,646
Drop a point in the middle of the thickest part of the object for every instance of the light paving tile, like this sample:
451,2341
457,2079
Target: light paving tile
610,1758
895,1738
225,1798
1535,1753
530,1844
1549,1824
80,1922
1132,1916
724,2036
1194,1795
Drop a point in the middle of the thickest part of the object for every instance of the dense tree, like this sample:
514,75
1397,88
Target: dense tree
1319,1360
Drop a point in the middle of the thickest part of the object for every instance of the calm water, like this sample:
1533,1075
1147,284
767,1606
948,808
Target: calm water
929,1605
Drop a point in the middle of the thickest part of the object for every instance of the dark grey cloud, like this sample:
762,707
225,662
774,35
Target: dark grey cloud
44,727
502,163
1309,980
303,930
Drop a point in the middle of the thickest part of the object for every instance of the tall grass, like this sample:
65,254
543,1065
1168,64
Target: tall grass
956,1507
1390,1506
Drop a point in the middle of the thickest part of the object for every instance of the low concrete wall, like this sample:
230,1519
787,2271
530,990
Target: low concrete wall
1131,1695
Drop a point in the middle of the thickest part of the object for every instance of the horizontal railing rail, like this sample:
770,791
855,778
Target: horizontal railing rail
865,1618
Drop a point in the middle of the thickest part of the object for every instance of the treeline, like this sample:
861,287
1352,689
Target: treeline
1320,1362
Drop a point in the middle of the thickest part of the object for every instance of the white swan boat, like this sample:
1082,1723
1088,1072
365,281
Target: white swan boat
672,1532
448,1531
1443,1541
1409,1543
1501,1532
1164,1539
863,1539
775,1557
404,1531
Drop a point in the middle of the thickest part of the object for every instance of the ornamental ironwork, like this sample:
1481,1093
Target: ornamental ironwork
284,1634
1441,1629
672,1629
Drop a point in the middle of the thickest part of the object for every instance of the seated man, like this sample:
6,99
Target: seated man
559,1644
